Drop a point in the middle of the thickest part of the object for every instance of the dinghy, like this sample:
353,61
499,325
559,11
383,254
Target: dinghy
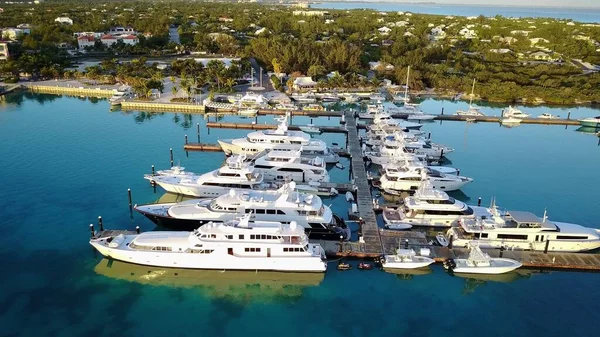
349,196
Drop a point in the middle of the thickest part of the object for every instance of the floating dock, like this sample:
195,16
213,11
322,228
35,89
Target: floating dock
256,126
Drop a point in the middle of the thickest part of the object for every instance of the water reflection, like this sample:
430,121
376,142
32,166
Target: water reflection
232,285
408,274
473,281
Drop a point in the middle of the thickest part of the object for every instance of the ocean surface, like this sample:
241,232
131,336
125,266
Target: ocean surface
589,15
67,160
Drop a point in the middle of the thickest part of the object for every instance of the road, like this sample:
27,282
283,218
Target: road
266,82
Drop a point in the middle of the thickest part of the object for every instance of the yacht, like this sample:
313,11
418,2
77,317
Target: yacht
305,98
514,113
311,129
405,259
288,165
236,174
174,170
386,119
371,112
377,97
413,145
408,178
283,205
330,98
234,245
415,113
472,110
593,122
120,95
479,262
434,208
279,139
286,106
247,112
523,230
547,115
313,107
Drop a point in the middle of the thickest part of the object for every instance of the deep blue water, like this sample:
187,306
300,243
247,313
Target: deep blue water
575,14
67,160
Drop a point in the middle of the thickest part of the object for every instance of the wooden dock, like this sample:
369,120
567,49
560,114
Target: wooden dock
256,126
496,119
373,243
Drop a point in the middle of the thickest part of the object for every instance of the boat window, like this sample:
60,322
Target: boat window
569,237
252,250
294,249
263,166
512,236
280,212
229,237
260,211
271,211
484,235
228,174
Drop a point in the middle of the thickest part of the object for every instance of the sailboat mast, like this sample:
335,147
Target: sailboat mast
472,93
406,87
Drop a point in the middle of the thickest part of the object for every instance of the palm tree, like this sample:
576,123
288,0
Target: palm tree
174,90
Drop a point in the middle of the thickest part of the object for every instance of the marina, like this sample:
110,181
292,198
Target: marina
369,241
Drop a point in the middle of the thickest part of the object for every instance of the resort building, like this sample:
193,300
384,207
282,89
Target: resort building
85,41
4,50
304,83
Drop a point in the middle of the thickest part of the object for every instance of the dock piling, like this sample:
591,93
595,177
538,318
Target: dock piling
129,195
137,229
198,131
569,115
100,225
186,140
171,154
153,171
479,201
92,230
442,111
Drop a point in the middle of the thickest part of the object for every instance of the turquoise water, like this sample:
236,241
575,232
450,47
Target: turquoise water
67,160
576,14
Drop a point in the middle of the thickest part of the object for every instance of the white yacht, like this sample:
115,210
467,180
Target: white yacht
174,170
330,98
279,139
377,97
415,113
305,98
547,115
514,113
284,205
479,262
286,106
236,245
593,122
289,165
405,259
386,119
413,145
523,230
434,208
236,174
408,178
120,95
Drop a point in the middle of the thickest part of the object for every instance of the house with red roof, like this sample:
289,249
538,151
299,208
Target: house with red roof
85,41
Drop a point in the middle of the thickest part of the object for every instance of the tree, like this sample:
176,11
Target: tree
174,90
316,70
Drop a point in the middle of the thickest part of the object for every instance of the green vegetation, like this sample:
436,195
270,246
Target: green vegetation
526,59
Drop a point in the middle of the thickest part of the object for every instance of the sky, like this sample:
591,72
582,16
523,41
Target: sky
528,3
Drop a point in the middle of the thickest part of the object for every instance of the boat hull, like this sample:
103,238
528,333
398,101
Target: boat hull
331,233
419,262
216,261
230,149
591,124
498,266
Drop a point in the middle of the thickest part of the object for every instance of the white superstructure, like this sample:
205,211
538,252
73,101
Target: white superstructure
279,139
236,174
289,165
523,230
408,178
514,113
479,262
232,246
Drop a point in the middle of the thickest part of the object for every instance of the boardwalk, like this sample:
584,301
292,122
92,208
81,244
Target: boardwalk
370,230
325,129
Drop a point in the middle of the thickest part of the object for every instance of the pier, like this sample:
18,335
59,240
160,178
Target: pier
369,230
162,106
256,126
207,147
496,119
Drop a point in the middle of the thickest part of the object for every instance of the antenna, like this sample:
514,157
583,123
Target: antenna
545,216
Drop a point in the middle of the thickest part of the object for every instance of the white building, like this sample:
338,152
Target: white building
3,50
121,30
468,33
131,40
85,41
384,30
303,83
311,13
108,40
64,20
14,33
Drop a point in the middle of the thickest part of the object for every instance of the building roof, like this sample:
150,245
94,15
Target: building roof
129,37
108,37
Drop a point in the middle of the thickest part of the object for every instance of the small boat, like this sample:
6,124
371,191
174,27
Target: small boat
471,120
547,115
313,107
479,262
365,266
314,187
442,240
247,112
593,122
405,259
394,219
349,196
339,165
344,266
311,129
510,121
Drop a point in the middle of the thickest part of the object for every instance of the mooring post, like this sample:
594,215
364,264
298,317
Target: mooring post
442,111
341,243
429,136
311,121
405,243
501,251
186,140
171,154
92,230
100,225
198,131
129,195
153,172
479,201
137,229
569,115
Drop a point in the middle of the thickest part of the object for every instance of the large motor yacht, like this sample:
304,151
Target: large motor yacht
235,245
288,165
434,208
398,178
511,112
236,174
280,139
523,230
284,205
